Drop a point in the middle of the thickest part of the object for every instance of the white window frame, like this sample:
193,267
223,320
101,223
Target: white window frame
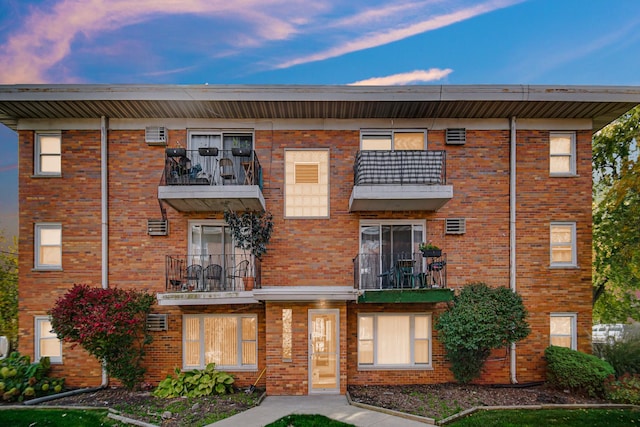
239,366
38,154
391,133
36,253
574,256
38,329
571,154
573,333
412,365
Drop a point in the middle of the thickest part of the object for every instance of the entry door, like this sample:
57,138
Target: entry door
324,351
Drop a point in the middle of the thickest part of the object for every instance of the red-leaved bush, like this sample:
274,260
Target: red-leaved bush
110,324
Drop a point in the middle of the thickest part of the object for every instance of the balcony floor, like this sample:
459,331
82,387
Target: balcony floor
212,198
390,197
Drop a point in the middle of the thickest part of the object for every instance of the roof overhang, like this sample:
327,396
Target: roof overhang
601,104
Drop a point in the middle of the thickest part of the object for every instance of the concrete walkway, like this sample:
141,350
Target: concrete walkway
336,407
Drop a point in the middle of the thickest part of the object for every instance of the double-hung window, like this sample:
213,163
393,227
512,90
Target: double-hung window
563,244
47,343
48,246
562,153
229,341
562,330
48,151
393,140
394,340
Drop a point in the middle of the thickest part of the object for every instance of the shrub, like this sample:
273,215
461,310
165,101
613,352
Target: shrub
579,372
480,319
195,383
21,380
623,355
110,324
625,389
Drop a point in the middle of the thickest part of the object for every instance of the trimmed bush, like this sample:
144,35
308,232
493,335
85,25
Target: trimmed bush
481,318
579,372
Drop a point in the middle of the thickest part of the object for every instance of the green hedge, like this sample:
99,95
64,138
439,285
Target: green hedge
579,372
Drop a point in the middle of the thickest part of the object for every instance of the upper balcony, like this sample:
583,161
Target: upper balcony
400,181
403,277
209,179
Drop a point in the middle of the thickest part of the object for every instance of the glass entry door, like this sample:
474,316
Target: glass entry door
324,354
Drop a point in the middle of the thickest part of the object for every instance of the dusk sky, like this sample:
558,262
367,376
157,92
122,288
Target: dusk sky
371,42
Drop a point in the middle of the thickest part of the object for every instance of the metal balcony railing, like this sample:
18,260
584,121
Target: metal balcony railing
211,166
211,273
377,167
404,271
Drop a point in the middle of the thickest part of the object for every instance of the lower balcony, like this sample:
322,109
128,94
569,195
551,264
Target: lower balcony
405,277
210,279
209,180
400,181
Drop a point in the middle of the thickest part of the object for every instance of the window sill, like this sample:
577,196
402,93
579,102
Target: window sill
47,269
564,175
395,368
46,176
564,267
225,369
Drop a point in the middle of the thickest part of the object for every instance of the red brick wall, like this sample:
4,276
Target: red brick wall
310,251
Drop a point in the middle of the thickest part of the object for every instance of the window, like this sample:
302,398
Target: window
563,244
307,183
48,154
562,149
393,140
48,246
47,343
287,318
229,341
397,340
562,330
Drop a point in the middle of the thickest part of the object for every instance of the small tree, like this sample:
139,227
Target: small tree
110,324
480,319
9,293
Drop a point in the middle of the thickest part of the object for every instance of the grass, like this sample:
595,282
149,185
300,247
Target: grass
305,420
551,417
55,418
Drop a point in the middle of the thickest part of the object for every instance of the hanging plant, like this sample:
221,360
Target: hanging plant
251,230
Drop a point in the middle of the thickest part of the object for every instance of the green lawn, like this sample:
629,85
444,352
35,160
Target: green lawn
299,420
551,417
55,417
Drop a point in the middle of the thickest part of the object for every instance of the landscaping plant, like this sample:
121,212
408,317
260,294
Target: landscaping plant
110,324
576,371
480,319
195,383
22,380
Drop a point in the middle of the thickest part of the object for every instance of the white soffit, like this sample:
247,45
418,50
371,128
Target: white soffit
306,293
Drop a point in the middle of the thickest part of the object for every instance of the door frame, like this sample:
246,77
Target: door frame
336,313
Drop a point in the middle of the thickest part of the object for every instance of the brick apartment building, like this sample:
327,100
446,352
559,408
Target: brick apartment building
125,186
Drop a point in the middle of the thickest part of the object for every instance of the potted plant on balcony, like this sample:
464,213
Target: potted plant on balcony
428,249
251,231
241,147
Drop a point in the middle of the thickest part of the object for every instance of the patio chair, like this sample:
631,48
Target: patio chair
240,272
194,277
227,171
212,277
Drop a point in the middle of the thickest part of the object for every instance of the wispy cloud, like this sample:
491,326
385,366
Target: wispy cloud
48,34
413,77
7,168
401,32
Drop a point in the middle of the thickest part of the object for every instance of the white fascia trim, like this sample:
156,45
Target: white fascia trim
306,293
206,298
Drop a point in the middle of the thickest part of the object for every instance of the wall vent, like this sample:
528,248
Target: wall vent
456,136
158,227
157,322
155,135
455,226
